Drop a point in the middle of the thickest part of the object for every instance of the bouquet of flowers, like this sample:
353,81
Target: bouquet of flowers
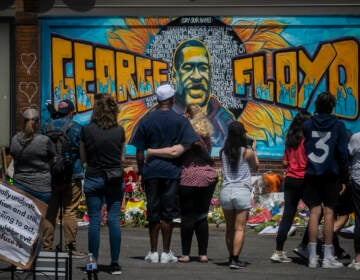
82,208
216,215
133,190
134,209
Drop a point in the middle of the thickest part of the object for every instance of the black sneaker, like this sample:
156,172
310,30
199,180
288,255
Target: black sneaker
236,264
115,269
341,254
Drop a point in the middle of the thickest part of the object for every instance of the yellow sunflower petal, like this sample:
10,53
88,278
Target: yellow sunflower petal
112,34
138,28
116,43
244,33
227,20
165,20
275,113
252,47
133,41
245,23
257,116
133,22
129,115
252,131
287,114
273,25
271,40
152,24
244,29
278,129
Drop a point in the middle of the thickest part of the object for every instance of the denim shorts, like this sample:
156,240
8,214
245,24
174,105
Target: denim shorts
234,197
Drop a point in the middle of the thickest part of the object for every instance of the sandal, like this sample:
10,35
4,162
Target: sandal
184,259
204,259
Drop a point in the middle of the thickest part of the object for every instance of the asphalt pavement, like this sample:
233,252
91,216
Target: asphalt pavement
256,252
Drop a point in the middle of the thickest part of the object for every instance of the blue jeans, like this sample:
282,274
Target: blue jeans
97,193
43,196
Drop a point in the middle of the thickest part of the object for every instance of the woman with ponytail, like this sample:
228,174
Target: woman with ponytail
237,160
32,153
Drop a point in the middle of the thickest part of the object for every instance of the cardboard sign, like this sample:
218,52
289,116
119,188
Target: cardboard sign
20,225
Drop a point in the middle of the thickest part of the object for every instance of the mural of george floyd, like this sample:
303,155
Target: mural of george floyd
257,70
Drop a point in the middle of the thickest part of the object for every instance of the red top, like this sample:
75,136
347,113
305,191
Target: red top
296,159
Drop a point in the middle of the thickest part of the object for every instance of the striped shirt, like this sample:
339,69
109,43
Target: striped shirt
241,176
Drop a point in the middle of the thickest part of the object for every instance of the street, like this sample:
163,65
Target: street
256,252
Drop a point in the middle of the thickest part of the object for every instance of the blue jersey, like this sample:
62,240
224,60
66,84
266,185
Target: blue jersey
326,146
160,129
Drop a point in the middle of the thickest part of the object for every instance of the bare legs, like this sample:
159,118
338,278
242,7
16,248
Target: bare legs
235,230
328,224
154,229
166,231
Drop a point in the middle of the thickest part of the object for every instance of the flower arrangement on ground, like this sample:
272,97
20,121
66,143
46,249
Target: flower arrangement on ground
216,215
133,209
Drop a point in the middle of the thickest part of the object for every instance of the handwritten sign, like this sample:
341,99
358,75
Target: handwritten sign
20,219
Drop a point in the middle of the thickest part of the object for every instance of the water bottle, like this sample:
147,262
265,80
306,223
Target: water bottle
91,267
67,155
91,264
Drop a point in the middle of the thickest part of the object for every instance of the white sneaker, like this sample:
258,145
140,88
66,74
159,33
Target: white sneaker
355,265
280,257
313,262
168,257
331,263
176,220
152,257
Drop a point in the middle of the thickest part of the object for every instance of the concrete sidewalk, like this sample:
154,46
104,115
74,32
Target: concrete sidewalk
256,252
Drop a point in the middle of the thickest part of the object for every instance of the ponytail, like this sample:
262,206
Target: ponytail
29,129
31,121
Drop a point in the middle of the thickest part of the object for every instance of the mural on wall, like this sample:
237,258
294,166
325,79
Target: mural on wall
259,71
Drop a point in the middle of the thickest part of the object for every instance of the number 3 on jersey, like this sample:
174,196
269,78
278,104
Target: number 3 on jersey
320,144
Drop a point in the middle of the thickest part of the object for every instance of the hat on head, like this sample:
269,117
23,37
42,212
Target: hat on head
164,92
65,106
31,114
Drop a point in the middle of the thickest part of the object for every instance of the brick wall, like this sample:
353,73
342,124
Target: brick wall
27,63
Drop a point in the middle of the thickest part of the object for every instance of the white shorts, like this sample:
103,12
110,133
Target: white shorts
234,197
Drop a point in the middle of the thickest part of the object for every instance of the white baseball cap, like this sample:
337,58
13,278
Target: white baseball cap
164,92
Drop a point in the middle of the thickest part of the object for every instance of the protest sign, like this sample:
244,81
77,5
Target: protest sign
20,219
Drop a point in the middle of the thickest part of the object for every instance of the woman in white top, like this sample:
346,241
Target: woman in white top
237,160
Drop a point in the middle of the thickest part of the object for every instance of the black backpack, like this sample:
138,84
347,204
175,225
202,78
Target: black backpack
62,166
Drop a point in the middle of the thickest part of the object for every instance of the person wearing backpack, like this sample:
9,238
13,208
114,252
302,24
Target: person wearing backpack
67,175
